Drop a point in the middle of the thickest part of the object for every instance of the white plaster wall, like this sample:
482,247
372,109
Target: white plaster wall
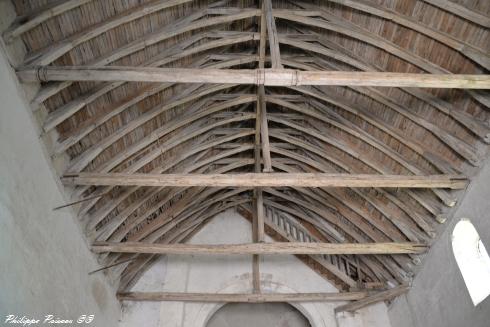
231,274
438,297
44,259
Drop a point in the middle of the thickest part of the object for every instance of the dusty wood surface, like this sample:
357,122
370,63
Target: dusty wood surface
261,248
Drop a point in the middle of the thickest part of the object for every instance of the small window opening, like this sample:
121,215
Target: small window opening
473,260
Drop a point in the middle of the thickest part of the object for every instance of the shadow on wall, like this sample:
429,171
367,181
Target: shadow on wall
258,315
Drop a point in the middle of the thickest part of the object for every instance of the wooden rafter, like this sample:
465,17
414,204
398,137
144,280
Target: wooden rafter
466,49
26,23
461,11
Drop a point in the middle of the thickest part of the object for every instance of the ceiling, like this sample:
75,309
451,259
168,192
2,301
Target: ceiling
211,128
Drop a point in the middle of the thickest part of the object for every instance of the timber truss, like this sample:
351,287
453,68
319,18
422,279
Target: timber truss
334,137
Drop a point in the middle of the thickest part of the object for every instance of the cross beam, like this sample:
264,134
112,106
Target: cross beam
261,248
268,77
268,180
241,297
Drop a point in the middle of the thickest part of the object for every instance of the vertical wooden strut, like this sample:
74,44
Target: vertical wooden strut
257,193
261,102
272,35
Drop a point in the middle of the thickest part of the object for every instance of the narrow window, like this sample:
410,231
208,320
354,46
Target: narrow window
472,259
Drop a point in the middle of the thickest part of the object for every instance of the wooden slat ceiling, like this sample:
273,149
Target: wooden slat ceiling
129,127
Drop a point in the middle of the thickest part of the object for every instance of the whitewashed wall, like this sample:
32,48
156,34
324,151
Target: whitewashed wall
232,274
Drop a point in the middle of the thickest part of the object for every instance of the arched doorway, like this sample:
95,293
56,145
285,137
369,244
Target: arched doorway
258,315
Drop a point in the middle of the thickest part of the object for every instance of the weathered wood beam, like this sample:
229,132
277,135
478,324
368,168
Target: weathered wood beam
262,123
241,297
258,206
268,77
268,180
378,297
272,34
264,130
261,248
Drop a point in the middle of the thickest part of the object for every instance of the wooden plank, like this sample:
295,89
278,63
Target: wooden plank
241,297
378,297
260,248
268,180
268,77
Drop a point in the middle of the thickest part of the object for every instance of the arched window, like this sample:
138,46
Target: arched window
472,259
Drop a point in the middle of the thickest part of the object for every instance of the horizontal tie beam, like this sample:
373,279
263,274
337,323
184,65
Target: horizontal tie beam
267,180
241,297
268,77
261,248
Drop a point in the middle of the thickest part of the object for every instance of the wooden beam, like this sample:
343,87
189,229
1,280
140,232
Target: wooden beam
260,248
269,180
260,217
241,297
272,35
378,297
264,131
261,103
268,77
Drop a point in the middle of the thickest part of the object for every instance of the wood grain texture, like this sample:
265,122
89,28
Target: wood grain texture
268,180
260,248
268,77
241,297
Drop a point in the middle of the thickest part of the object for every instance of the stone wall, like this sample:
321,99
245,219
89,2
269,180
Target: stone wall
439,297
44,260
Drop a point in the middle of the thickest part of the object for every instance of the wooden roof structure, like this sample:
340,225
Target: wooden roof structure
358,122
